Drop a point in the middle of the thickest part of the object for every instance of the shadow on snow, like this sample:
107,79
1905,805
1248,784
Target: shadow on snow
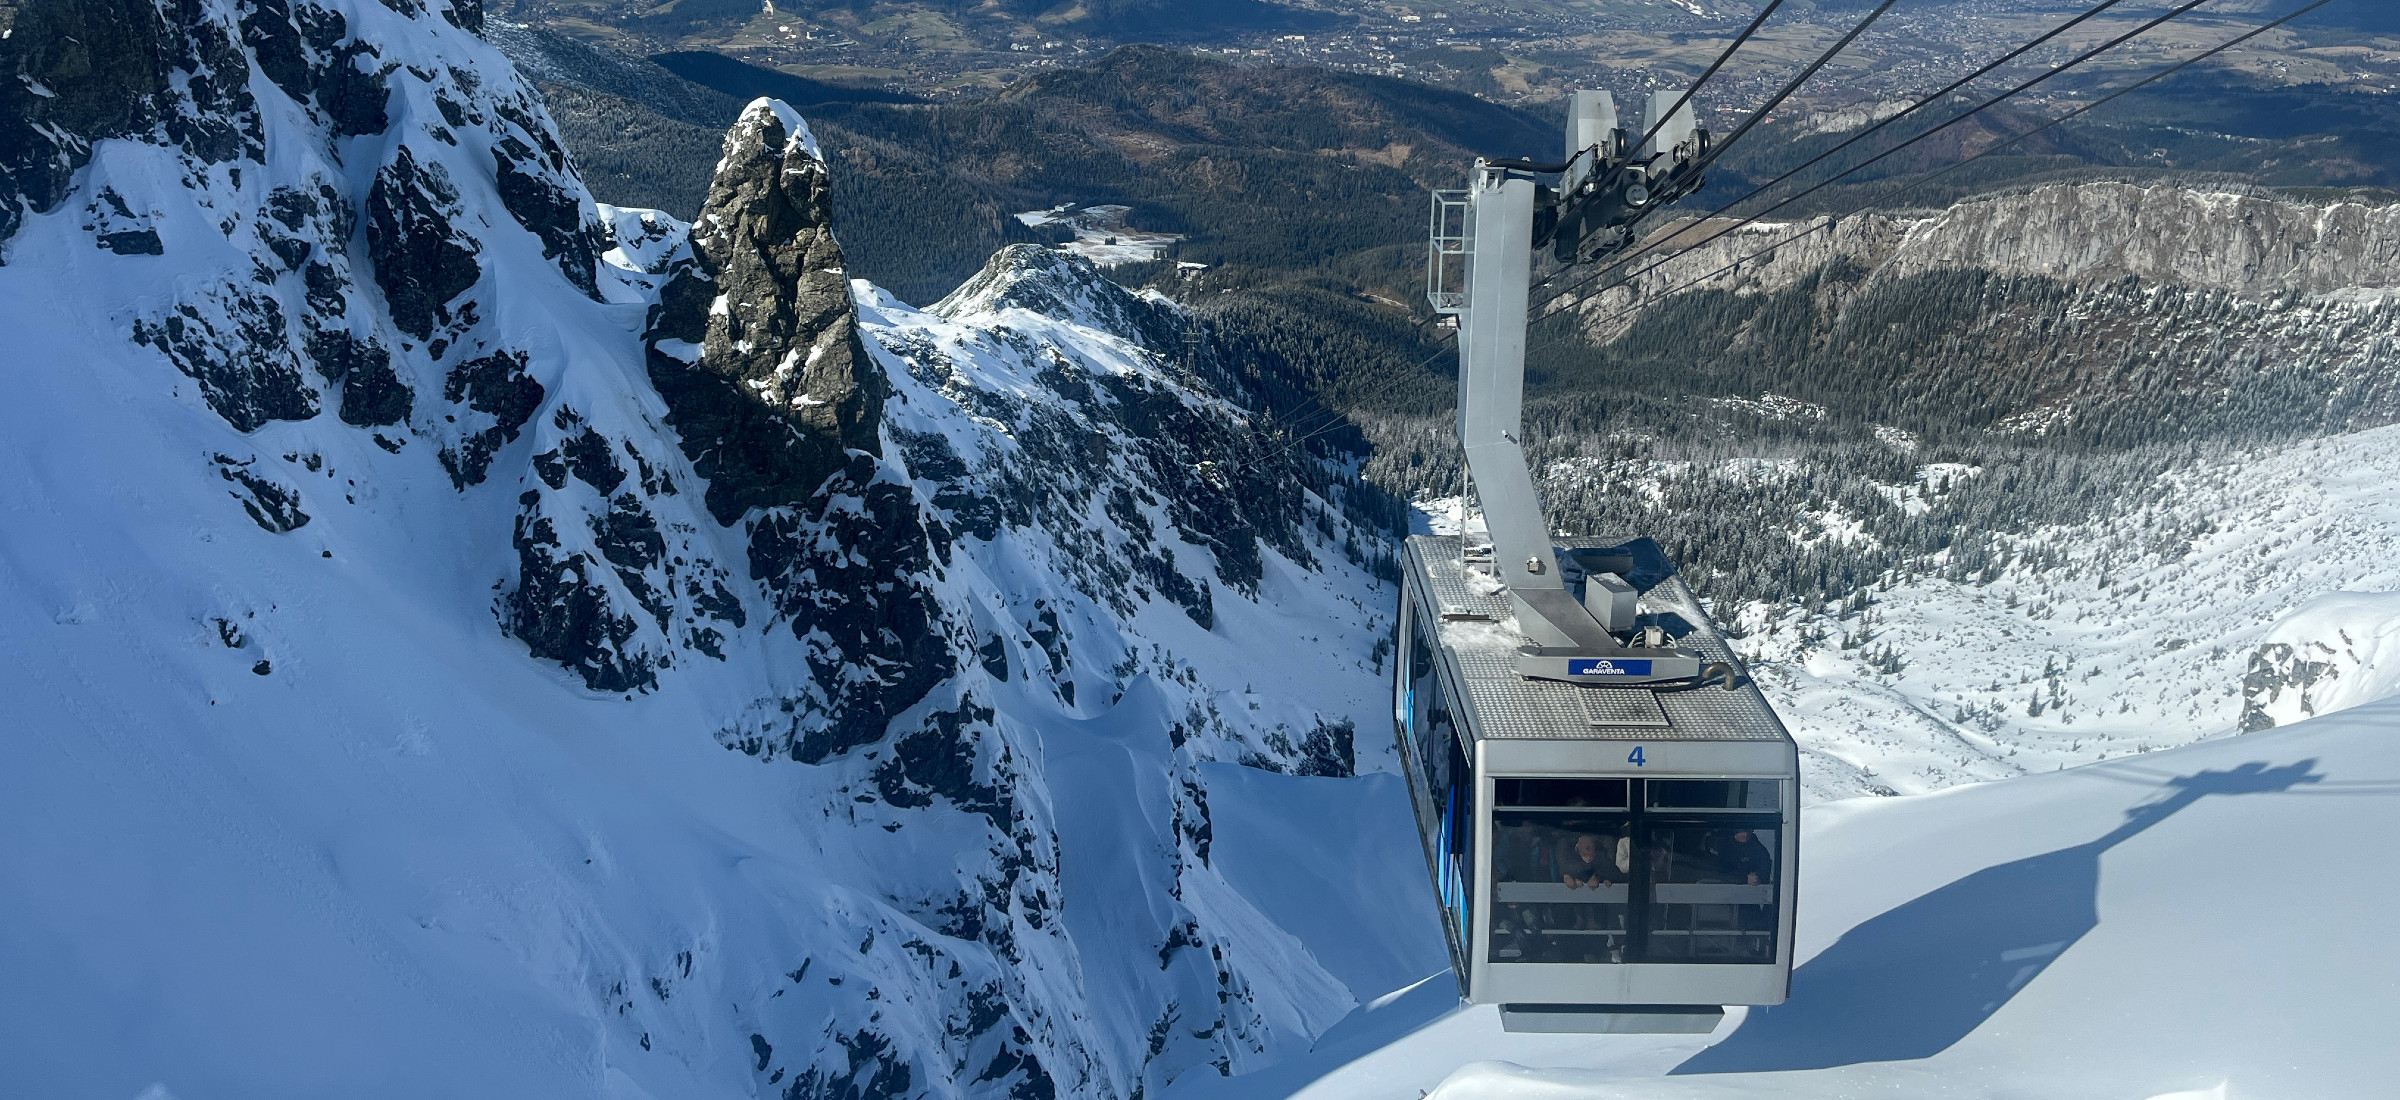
1910,982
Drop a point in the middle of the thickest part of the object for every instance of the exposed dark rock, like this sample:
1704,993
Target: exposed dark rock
351,89
2278,667
219,120
1330,749
273,39
721,604
552,472
274,507
372,393
593,462
70,73
561,616
235,346
73,72
627,535
422,259
497,386
550,212
849,568
466,15
134,242
938,760
768,393
324,286
1197,601
993,655
875,1071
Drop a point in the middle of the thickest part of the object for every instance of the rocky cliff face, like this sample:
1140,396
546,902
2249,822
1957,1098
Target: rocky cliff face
753,344
681,670
2111,312
2251,247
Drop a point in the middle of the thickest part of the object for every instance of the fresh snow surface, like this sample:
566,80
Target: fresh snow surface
2209,921
2139,641
412,861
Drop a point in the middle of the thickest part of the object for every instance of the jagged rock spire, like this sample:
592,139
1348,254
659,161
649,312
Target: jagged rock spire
755,342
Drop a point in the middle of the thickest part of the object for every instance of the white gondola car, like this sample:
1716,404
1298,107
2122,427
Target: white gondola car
1608,858
1608,804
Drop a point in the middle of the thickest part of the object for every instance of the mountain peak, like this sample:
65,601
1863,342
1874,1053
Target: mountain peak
1043,280
754,343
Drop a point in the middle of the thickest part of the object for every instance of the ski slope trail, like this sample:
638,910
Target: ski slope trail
2207,921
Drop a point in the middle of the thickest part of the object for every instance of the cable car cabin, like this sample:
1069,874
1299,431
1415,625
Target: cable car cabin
1610,858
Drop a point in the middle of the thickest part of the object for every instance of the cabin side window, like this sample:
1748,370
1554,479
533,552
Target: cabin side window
1439,753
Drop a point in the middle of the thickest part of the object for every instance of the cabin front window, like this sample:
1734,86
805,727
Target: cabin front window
1633,871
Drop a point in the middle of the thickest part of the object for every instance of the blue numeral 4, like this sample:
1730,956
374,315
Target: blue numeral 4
1635,758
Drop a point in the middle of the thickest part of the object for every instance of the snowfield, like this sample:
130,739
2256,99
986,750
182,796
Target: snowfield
2141,640
2204,922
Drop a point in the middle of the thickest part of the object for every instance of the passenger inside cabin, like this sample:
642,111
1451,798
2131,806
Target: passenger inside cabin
1747,860
1523,853
1582,865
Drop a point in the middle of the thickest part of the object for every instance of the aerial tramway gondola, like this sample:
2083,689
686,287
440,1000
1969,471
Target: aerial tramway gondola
1609,806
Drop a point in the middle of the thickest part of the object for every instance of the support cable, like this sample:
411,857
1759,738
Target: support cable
1719,63
1981,72
1790,86
1829,181
1929,178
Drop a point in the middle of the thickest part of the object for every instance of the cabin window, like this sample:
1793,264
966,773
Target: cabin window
1631,871
1563,794
1436,750
1562,885
1711,795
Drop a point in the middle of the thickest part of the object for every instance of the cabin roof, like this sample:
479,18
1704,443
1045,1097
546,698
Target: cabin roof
1470,614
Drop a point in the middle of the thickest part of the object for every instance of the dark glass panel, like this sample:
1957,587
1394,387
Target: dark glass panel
1756,796
1563,793
1562,887
1712,892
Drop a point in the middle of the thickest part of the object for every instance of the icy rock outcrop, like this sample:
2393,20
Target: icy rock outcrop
2331,653
74,72
754,344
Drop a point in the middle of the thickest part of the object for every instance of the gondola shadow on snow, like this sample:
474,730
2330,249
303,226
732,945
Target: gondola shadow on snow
1910,982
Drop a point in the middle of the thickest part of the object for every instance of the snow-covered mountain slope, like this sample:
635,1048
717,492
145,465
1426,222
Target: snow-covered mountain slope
2198,922
455,640
2139,630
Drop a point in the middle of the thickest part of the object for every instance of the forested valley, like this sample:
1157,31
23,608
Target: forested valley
1799,446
